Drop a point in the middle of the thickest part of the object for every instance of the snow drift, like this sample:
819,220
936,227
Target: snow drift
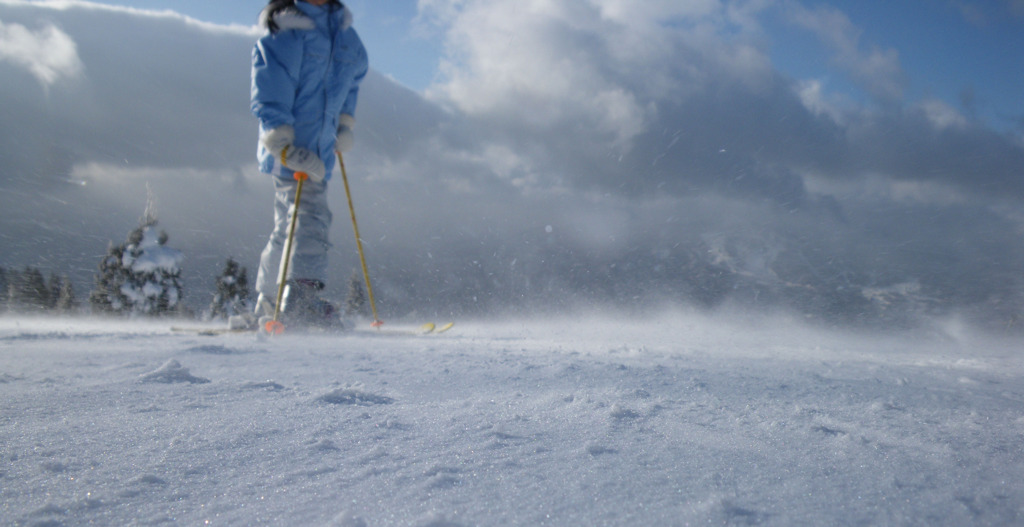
676,420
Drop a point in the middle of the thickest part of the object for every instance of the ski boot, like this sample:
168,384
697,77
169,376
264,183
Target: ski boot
263,312
302,306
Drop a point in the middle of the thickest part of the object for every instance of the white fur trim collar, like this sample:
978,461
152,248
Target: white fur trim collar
347,20
292,18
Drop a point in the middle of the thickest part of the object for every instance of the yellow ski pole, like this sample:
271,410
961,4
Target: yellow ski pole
275,327
359,242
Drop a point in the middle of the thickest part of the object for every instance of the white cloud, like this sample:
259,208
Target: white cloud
943,115
982,14
599,67
878,70
629,12
814,97
112,174
506,53
577,86
48,53
80,5
134,96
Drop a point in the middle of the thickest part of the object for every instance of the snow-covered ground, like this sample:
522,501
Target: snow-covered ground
679,420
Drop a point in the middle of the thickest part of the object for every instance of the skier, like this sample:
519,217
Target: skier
306,72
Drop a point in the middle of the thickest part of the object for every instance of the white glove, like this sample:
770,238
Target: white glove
302,160
279,143
346,138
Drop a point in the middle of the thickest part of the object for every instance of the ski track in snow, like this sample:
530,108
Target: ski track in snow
683,420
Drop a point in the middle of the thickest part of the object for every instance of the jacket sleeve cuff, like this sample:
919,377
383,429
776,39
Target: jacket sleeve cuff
278,139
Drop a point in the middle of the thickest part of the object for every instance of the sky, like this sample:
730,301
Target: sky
836,158
399,45
960,51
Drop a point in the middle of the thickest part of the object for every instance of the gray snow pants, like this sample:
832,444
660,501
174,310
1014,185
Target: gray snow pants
310,246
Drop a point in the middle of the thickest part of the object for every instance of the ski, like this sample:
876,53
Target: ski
210,332
429,328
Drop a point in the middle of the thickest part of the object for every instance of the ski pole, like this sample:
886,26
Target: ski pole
275,327
359,243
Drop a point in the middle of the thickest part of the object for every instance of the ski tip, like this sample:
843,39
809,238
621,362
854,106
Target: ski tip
444,328
427,328
274,327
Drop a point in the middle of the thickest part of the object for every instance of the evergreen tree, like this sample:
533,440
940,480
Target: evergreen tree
142,276
64,300
27,291
37,294
4,293
53,287
107,297
10,288
232,293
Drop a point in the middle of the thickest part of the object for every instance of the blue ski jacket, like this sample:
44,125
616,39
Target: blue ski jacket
307,74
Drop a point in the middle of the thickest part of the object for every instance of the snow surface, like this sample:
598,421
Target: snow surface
679,420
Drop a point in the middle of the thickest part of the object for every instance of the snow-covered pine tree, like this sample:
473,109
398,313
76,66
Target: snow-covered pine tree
154,285
232,293
107,297
142,276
